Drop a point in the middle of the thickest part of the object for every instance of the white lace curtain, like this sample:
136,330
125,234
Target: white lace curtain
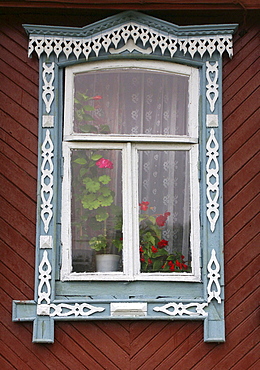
134,102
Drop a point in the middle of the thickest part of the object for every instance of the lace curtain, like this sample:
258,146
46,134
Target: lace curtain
138,102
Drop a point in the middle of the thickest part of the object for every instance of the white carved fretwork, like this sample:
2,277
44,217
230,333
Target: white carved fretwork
133,36
76,309
47,87
212,85
212,179
213,275
180,309
44,287
68,309
47,181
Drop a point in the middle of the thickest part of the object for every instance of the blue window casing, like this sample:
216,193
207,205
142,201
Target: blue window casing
125,36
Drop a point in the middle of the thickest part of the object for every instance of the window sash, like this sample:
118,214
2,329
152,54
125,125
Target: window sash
130,213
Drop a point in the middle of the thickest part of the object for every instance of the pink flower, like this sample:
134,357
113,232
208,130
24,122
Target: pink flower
104,163
144,206
97,97
161,219
162,243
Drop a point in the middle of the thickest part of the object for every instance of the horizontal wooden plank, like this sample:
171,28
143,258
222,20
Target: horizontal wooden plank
129,4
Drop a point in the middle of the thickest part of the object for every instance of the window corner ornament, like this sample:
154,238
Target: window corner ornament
212,180
213,287
48,88
47,181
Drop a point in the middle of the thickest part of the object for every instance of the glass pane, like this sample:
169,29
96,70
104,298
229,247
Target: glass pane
131,101
96,211
164,216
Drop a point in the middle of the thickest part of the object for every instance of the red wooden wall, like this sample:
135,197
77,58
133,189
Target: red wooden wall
129,345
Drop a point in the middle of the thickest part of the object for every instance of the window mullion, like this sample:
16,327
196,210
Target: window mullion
128,239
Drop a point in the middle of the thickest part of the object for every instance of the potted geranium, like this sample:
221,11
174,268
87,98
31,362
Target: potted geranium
154,255
100,215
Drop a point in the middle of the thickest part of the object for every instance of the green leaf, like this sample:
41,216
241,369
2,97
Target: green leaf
83,171
91,185
105,179
88,108
90,202
157,265
80,161
88,128
105,191
104,129
96,157
88,117
102,216
105,201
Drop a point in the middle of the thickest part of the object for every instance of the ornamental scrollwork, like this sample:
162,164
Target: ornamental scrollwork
131,32
212,180
47,181
180,309
212,85
47,87
76,309
213,275
44,287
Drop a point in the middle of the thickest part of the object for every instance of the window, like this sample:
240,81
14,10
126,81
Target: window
130,162
131,185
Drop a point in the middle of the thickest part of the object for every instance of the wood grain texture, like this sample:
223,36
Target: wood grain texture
128,345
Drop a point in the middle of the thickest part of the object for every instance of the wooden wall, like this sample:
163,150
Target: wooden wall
129,345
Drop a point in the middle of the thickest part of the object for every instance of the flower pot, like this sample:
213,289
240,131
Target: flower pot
107,262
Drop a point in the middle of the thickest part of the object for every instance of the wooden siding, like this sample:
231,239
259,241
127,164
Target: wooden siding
134,4
129,345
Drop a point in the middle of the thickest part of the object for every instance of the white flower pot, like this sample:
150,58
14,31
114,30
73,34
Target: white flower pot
107,262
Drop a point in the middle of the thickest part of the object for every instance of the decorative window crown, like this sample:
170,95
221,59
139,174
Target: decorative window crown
131,31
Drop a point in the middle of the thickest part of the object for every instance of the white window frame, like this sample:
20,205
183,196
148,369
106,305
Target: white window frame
130,144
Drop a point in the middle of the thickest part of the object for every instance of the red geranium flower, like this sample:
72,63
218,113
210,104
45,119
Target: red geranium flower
97,97
154,250
141,249
161,219
104,163
162,243
150,261
144,206
142,259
